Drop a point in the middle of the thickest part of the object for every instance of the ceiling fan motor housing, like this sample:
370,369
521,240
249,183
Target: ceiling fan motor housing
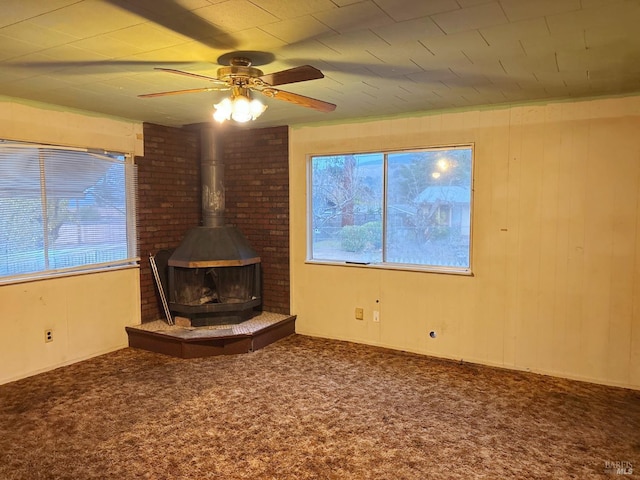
240,70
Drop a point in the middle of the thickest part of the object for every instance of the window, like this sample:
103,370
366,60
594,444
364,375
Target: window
64,210
396,209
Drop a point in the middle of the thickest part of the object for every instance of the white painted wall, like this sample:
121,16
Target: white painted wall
36,122
87,312
556,253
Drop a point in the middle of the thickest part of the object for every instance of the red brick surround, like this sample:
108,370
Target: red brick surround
257,201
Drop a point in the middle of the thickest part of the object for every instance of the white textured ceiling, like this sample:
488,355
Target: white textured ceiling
379,57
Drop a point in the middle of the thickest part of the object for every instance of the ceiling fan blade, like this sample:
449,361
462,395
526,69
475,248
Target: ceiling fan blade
97,65
175,17
369,69
308,102
180,92
292,75
189,74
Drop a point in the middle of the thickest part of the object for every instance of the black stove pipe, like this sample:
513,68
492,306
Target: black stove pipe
212,172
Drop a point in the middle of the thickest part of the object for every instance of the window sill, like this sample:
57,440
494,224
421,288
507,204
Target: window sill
36,277
396,266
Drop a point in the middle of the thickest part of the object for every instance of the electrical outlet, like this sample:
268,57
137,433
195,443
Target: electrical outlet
359,314
48,335
376,315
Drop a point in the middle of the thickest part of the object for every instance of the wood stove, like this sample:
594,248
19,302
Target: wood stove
214,275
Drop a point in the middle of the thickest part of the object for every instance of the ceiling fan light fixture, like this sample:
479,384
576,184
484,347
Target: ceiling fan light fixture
239,108
241,111
242,78
222,110
257,108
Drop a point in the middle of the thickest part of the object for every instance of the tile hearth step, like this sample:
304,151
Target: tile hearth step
194,342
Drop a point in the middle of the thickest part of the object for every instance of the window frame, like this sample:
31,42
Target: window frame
384,265
132,242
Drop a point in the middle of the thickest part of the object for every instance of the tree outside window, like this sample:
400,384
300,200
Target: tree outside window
64,210
424,220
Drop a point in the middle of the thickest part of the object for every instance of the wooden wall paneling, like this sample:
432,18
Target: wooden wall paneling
550,209
571,352
598,247
624,160
512,264
568,162
490,235
529,251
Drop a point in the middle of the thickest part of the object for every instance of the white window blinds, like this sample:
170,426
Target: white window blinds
64,210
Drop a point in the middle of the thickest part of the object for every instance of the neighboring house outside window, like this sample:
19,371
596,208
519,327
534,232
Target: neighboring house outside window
393,209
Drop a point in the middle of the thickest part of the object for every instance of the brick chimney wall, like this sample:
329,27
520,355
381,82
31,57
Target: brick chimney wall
168,200
257,201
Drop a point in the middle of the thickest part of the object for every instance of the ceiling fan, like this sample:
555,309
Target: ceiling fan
242,78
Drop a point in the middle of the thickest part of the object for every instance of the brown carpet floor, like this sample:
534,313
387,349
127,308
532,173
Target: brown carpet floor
306,408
